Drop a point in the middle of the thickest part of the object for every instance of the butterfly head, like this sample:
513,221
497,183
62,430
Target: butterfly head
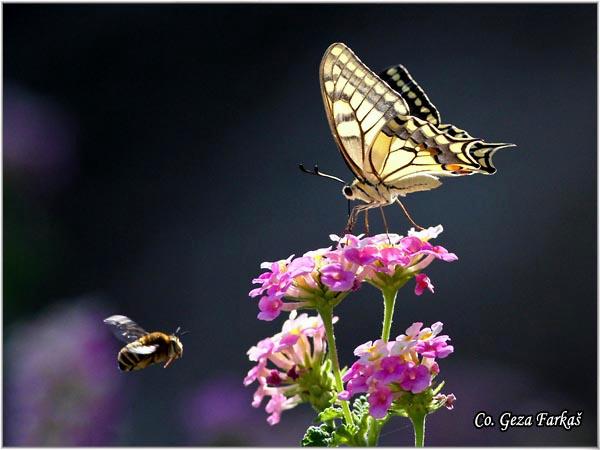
366,192
348,192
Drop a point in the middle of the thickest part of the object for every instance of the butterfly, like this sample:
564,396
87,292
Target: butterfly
391,135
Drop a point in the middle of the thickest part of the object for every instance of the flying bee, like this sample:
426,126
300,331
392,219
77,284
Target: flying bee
144,349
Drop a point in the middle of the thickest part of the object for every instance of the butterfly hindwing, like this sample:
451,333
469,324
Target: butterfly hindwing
413,147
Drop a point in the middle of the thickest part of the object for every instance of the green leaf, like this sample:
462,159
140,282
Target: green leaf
438,388
320,436
331,413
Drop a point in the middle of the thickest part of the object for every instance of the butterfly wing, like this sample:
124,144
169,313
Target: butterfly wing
418,103
381,140
481,151
358,104
407,147
124,328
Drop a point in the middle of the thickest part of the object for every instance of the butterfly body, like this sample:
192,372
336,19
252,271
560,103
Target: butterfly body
143,348
390,134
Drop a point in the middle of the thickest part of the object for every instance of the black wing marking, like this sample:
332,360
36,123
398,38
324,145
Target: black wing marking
124,328
398,78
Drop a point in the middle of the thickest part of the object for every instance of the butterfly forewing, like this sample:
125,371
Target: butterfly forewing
358,105
124,328
418,103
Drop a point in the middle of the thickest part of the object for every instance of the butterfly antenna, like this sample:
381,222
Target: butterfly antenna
316,171
410,219
183,333
177,331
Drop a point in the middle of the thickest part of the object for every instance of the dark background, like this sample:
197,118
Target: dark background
150,157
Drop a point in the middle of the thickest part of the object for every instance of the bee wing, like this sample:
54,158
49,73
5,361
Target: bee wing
124,328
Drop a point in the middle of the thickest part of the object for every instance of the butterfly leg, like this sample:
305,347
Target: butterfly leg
354,215
352,219
385,225
410,219
366,222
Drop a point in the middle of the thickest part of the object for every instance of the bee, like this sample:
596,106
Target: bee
144,349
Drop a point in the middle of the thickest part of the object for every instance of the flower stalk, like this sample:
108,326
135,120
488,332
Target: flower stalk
326,313
389,300
418,421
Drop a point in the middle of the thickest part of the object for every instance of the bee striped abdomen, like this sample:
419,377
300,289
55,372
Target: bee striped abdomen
129,361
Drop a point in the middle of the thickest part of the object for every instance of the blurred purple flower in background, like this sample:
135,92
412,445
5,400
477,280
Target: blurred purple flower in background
63,387
216,413
39,139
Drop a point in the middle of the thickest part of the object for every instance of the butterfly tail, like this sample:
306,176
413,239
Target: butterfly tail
482,152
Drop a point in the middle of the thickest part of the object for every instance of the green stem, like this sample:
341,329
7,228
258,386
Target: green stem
374,431
327,316
389,299
418,421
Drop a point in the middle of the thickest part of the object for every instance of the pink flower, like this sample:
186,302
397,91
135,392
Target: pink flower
274,282
274,408
423,282
385,261
438,251
301,266
392,257
295,327
361,256
447,400
336,278
356,380
262,350
450,400
371,351
283,359
411,244
435,348
386,369
379,402
392,369
415,378
270,308
412,332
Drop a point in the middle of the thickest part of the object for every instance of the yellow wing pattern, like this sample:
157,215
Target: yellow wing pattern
394,137
358,105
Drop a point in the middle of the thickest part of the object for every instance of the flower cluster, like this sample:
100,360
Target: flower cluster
386,370
384,260
301,373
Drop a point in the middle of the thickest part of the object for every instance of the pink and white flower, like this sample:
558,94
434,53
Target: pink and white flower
387,370
282,360
384,260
